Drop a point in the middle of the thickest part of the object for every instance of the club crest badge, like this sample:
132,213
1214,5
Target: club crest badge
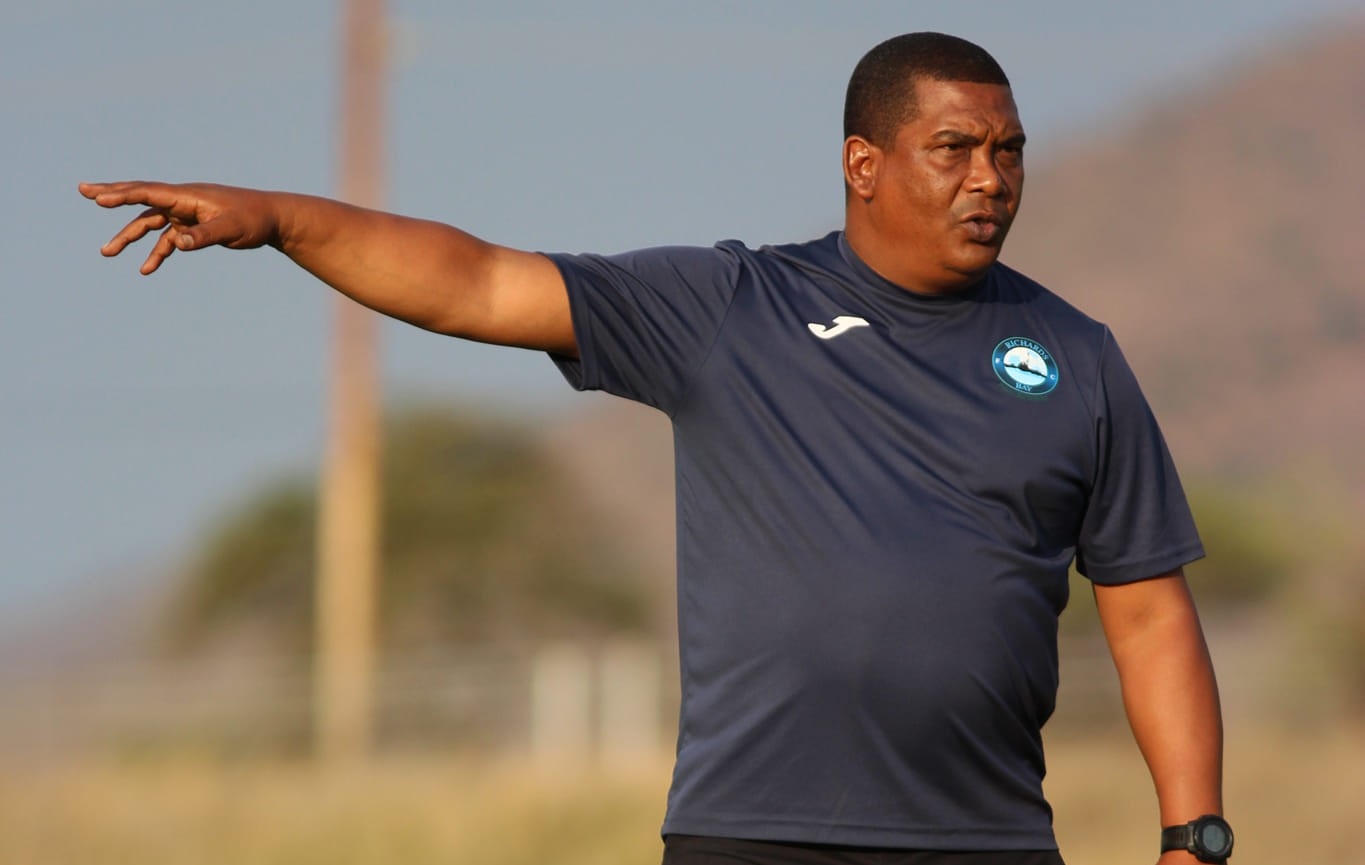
1025,367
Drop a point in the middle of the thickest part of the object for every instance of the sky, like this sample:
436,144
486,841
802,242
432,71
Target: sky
135,410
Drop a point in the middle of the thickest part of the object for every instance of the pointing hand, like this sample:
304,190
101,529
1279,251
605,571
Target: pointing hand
189,216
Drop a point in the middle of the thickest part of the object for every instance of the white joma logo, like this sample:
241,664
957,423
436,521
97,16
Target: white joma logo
842,324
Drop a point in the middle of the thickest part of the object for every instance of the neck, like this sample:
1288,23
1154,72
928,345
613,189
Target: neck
888,260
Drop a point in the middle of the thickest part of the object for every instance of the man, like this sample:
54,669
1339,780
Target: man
890,448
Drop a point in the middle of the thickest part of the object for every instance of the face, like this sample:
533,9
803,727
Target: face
930,212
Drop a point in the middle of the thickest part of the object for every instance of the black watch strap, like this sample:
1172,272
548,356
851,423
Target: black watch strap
1176,837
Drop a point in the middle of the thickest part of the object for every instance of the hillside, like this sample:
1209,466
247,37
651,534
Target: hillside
1217,234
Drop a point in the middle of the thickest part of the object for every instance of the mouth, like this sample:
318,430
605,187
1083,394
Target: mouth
983,226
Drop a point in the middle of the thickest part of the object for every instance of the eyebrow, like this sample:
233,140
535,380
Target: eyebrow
953,136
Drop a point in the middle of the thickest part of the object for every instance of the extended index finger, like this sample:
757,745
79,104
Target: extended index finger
162,196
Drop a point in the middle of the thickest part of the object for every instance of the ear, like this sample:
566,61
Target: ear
862,159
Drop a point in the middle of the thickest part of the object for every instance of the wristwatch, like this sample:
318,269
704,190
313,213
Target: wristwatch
1209,838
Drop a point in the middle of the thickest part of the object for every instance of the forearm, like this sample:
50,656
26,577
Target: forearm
421,272
1170,695
1174,711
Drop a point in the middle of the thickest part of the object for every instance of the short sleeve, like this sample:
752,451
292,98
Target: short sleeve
644,321
1137,522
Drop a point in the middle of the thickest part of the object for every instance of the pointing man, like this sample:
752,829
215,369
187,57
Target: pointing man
890,447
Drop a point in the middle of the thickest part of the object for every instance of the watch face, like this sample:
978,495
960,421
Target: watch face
1214,837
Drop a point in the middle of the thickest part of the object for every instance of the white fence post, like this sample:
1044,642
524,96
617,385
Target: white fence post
629,701
561,703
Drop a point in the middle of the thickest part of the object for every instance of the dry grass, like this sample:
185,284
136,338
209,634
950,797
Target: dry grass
1294,798
409,811
1291,797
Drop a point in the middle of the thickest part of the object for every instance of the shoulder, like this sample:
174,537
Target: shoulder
784,267
1016,287
821,254
656,266
1089,338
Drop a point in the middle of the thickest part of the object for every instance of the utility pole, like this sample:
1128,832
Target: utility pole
348,512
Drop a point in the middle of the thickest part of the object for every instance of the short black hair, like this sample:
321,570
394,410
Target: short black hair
881,91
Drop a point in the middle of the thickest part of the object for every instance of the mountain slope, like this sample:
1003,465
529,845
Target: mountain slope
1218,235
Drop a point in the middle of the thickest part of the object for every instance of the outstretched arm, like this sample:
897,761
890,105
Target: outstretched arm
425,273
1169,693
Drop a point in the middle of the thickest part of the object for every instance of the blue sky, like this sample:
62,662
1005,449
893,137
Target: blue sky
132,410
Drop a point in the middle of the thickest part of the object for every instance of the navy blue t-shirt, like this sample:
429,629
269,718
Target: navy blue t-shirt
878,497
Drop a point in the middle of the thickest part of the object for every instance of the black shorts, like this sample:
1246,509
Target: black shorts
698,850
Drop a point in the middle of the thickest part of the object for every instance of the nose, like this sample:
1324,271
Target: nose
985,175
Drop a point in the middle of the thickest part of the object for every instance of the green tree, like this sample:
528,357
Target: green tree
483,540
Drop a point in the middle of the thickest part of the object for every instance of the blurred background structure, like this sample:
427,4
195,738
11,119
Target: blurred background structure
1193,182
348,538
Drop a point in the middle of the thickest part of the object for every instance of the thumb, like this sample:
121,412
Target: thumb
201,234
